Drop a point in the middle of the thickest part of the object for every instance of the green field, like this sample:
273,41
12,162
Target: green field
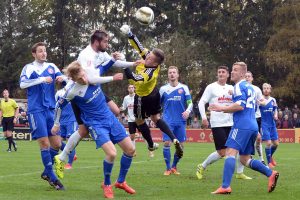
20,175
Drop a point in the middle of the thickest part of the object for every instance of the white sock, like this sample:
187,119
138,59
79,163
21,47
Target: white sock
213,157
261,158
71,144
240,166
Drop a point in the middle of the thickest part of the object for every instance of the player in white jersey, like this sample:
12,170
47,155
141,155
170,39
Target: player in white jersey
218,93
128,103
103,125
259,101
269,132
243,132
95,61
39,79
177,104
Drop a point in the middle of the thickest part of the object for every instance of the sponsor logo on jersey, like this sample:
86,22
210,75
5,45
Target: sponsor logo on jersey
224,99
50,71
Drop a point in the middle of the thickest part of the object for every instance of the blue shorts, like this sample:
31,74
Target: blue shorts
178,130
41,123
269,133
66,130
103,133
242,140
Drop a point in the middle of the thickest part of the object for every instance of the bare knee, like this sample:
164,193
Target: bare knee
111,156
222,152
130,151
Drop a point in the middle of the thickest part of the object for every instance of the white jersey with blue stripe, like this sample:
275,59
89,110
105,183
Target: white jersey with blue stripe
40,95
101,61
245,96
267,112
91,102
173,101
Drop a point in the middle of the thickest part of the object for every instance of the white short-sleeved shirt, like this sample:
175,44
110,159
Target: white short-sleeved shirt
219,94
128,103
259,96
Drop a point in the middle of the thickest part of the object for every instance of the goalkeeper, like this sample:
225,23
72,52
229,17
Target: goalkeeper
147,98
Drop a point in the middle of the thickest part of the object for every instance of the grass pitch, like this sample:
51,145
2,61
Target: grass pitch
20,175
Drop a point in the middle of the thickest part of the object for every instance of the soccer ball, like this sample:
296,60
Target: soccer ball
144,15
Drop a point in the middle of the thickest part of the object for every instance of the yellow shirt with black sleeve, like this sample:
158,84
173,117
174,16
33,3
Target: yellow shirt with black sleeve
8,108
144,78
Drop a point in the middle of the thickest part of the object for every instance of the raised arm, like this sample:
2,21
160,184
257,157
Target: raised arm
134,42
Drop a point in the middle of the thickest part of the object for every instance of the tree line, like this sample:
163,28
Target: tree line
196,35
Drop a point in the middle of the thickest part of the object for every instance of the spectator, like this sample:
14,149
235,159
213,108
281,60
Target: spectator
23,119
296,121
279,120
286,123
195,123
296,110
287,112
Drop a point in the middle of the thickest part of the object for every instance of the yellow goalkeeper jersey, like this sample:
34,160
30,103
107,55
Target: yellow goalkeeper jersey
144,78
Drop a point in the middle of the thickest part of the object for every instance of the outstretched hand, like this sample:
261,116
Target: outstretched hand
125,29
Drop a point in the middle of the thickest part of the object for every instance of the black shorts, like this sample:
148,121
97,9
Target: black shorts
132,126
8,123
148,105
220,135
77,111
258,120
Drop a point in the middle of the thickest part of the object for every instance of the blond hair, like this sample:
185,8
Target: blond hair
174,67
243,66
267,85
73,69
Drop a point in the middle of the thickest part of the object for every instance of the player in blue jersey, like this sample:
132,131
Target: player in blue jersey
95,60
268,125
104,127
39,79
243,132
68,125
177,105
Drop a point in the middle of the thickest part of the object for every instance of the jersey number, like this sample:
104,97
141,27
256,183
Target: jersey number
251,99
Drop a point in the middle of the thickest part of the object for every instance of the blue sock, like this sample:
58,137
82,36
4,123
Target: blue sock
53,152
46,158
71,157
175,161
125,165
273,149
228,171
107,168
63,144
258,166
167,156
268,154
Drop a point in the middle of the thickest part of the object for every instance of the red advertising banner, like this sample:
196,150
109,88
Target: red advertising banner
205,136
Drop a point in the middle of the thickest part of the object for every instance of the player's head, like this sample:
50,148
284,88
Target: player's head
76,73
39,52
249,77
99,40
238,72
173,73
155,58
223,73
267,89
5,93
130,89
